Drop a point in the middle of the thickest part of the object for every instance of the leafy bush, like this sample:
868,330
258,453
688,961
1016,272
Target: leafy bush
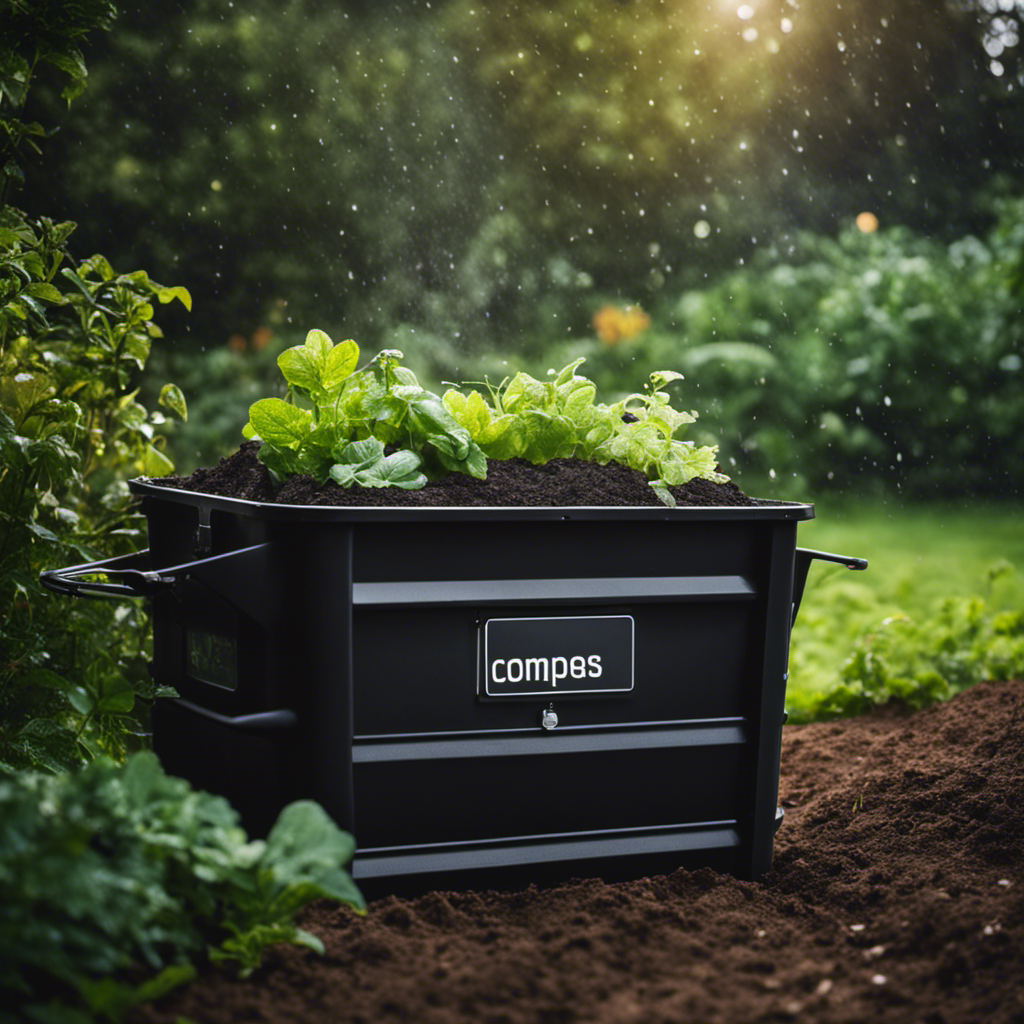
835,363
462,171
918,661
115,881
221,384
73,338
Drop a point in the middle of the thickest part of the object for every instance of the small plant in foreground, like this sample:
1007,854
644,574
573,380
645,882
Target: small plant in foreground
351,416
116,880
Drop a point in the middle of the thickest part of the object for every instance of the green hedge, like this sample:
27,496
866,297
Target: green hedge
881,359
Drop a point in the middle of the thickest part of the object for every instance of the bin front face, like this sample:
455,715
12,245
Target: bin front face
445,751
470,694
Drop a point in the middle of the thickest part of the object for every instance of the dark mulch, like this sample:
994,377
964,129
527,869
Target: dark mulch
510,482
896,895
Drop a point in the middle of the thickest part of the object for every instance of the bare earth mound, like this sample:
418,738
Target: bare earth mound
896,895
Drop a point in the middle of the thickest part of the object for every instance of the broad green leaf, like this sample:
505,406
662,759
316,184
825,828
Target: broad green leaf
525,392
69,59
339,364
117,703
475,463
580,405
401,469
183,295
364,463
42,532
79,283
433,418
471,410
26,302
155,463
172,397
662,377
305,845
303,366
81,699
101,265
545,435
361,454
279,422
567,374
504,438
47,292
455,402
137,348
318,343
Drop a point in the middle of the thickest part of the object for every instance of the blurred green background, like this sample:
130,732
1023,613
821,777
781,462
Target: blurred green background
814,211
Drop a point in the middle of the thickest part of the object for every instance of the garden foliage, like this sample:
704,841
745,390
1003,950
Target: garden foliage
74,337
467,177
884,359
116,882
917,660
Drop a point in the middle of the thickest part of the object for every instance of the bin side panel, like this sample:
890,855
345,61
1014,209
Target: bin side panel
255,772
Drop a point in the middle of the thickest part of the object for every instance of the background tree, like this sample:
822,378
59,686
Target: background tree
472,182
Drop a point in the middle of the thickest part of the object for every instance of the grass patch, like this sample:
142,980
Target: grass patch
922,557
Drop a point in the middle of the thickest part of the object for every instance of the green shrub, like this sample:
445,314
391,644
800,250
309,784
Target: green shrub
844,363
115,881
916,661
74,337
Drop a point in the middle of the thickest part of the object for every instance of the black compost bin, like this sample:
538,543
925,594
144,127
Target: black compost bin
470,690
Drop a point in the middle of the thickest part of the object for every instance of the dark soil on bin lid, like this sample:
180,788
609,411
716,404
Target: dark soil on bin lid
896,895
510,482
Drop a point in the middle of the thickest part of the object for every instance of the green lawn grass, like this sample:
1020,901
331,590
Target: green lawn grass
918,555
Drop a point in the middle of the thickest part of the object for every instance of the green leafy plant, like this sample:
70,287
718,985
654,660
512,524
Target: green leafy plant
116,881
344,405
349,418
916,661
541,420
74,337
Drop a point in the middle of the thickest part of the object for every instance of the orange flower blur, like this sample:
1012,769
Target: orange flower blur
619,323
867,222
261,337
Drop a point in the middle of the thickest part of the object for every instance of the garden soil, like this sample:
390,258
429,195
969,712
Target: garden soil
896,895
510,482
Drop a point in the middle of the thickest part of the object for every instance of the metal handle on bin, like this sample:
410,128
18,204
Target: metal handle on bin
136,578
258,721
804,557
130,575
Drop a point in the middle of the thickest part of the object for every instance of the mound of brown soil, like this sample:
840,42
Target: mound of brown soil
897,895
510,482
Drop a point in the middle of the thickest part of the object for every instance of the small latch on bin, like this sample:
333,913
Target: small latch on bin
548,719
204,534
